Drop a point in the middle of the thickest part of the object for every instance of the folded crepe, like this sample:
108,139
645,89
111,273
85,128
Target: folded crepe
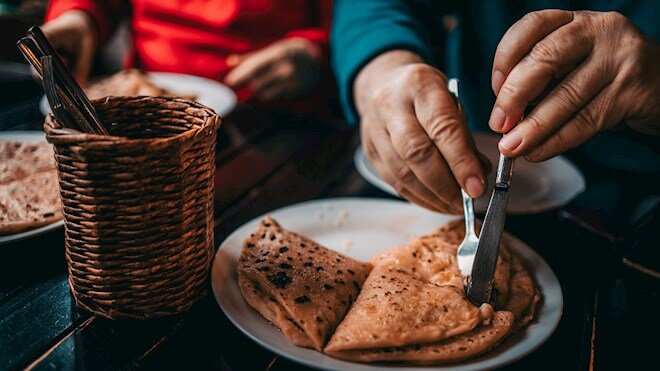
300,286
455,349
432,258
524,296
400,317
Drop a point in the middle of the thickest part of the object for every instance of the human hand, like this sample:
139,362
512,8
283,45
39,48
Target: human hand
74,36
413,133
597,69
284,69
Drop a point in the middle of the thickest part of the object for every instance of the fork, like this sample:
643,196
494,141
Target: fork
468,248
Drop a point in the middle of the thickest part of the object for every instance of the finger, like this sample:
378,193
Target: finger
443,123
403,191
521,37
598,114
398,174
422,158
550,58
280,90
256,64
275,83
564,101
234,60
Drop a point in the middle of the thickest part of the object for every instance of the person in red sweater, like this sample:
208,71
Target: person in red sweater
273,49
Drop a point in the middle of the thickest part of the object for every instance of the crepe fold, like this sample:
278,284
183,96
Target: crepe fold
300,286
399,317
413,307
432,258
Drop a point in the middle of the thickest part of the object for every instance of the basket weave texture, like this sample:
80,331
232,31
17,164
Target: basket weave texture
138,205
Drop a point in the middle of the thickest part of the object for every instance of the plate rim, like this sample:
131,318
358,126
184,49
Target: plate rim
370,366
360,162
45,108
7,239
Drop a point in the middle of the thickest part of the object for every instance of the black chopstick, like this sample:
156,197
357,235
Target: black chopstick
48,78
67,80
74,100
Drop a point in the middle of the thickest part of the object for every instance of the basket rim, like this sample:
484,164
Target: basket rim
213,120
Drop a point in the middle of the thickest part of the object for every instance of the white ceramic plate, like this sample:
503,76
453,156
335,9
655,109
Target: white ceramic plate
370,226
27,136
535,187
217,96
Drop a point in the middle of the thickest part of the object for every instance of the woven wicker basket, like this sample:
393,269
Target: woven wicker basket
138,205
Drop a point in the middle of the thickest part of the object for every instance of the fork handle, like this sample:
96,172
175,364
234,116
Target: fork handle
468,212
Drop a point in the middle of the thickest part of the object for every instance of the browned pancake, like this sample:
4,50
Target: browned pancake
432,258
302,287
30,202
458,348
524,294
129,82
20,159
398,309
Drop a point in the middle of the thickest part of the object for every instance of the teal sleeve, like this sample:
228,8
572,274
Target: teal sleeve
362,30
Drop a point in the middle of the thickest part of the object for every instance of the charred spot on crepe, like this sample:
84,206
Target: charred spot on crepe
280,280
302,299
304,329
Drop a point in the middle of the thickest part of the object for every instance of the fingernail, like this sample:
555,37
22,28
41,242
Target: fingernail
511,141
474,186
497,118
497,81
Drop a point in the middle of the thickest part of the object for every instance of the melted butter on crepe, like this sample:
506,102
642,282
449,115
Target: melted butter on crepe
395,309
302,287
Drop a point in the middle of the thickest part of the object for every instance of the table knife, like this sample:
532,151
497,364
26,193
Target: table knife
480,284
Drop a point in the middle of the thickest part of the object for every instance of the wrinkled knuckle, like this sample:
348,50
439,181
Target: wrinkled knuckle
570,96
615,18
544,52
416,151
444,127
509,93
417,73
535,124
461,161
586,120
535,18
404,174
382,94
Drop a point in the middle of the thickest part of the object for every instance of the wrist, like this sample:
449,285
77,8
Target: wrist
372,74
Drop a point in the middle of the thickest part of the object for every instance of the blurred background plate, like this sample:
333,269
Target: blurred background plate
215,95
361,228
535,187
27,136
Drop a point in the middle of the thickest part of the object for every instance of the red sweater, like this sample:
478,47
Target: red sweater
196,36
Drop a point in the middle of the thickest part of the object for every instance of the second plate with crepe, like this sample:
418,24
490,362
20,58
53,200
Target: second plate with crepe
361,228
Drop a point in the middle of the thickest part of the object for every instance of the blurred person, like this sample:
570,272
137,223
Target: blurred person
272,50
584,72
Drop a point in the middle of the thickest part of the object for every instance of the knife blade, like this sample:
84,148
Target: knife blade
480,284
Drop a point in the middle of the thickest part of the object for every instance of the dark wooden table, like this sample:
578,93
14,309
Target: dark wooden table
267,160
